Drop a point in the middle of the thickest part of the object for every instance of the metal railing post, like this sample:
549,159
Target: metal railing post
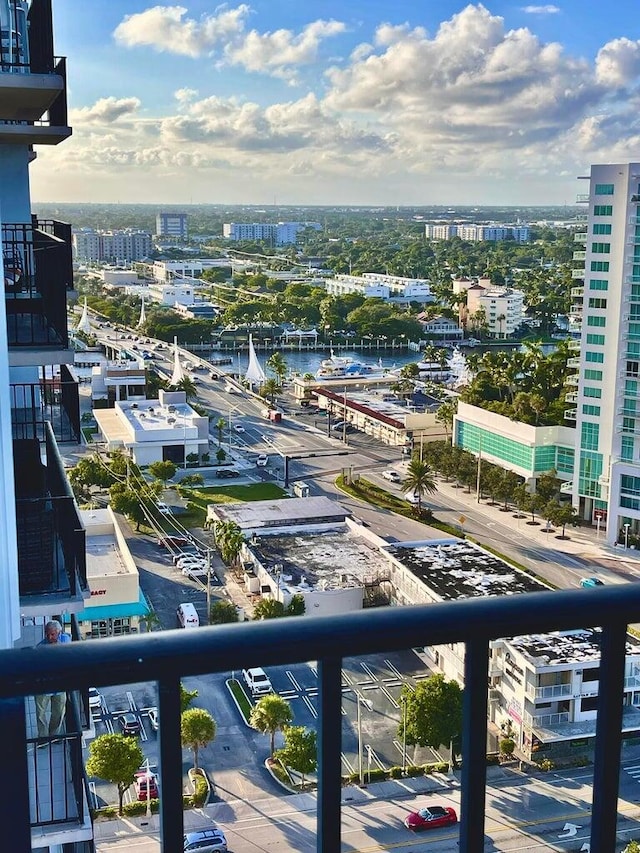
329,754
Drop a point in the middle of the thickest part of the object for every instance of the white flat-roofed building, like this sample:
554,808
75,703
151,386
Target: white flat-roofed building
276,233
545,685
116,603
119,278
381,285
440,231
503,308
118,380
155,430
172,294
116,247
472,232
188,268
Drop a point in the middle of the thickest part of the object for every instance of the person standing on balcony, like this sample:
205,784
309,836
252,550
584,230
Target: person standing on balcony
52,704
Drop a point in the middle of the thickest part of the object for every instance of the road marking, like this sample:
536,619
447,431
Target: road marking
309,705
292,679
393,669
570,830
633,771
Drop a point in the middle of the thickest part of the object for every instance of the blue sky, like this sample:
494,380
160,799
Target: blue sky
372,102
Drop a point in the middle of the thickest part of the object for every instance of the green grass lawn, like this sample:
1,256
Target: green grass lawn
198,498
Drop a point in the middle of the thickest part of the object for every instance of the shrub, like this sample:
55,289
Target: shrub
507,747
395,772
201,790
376,775
139,807
493,759
415,770
546,764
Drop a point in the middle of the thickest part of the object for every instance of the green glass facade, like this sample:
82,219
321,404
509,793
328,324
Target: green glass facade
535,460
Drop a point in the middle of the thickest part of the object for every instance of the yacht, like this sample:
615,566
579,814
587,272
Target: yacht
345,367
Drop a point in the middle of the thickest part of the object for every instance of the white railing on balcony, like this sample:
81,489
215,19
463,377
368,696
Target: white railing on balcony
571,397
567,488
574,363
577,273
546,720
577,292
572,380
579,256
632,682
553,691
580,237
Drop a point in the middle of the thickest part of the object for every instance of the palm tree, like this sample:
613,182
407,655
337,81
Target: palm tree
270,714
229,540
269,389
187,385
197,729
220,426
279,366
419,480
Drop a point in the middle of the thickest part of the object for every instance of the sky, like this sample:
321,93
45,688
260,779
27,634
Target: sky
366,102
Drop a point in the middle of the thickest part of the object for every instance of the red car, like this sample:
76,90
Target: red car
140,783
433,817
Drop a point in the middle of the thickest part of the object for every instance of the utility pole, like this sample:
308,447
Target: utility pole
208,586
344,418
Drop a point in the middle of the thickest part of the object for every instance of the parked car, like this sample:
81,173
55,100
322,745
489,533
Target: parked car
144,781
181,556
257,681
194,570
95,698
411,497
433,817
238,428
211,840
227,473
194,562
589,583
262,460
153,718
392,476
175,541
162,507
129,724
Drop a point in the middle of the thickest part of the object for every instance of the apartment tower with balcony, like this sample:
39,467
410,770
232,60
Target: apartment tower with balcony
606,315
42,543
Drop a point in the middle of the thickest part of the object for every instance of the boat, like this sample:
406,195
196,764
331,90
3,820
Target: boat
345,367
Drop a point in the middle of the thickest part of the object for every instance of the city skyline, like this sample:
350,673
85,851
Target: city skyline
366,104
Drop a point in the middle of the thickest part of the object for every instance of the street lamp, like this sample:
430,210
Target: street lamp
369,705
626,535
403,699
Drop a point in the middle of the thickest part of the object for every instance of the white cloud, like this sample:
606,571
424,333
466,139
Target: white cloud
106,110
166,29
185,96
541,10
618,62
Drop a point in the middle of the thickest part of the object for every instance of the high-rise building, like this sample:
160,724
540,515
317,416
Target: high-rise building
111,247
172,226
42,541
278,234
606,480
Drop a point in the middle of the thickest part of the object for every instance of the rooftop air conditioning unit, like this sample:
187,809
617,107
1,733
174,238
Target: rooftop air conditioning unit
152,411
171,408
134,405
171,420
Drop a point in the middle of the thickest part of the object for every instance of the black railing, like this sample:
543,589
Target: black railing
51,538
166,657
53,400
38,271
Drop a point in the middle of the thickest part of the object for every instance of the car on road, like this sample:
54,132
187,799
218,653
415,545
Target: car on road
195,570
238,428
210,840
227,473
589,583
153,718
162,507
95,698
144,781
262,460
392,476
411,497
129,724
432,817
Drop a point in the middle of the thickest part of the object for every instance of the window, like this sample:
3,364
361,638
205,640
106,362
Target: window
589,704
599,266
593,374
601,228
597,321
627,448
598,284
590,436
597,303
603,189
592,392
595,340
603,210
601,248
594,357
594,411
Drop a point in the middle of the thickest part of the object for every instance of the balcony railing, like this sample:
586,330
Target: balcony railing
543,721
570,414
51,538
38,271
554,691
577,292
579,256
54,400
580,237
579,273
167,657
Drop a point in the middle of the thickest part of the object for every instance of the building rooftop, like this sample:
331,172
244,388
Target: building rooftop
563,647
455,568
286,512
334,560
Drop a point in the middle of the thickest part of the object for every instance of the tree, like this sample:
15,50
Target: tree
269,389
163,470
445,414
150,621
300,751
296,606
220,425
270,714
127,502
187,385
433,713
419,480
197,729
186,697
220,455
268,608
115,758
192,480
229,540
279,366
223,613
561,513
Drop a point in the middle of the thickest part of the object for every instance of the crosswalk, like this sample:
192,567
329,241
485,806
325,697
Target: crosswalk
633,771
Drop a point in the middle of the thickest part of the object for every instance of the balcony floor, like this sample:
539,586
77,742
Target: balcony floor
587,728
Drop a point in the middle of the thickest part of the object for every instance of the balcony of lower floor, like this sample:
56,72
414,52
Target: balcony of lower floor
166,658
570,415
578,273
38,272
50,536
52,401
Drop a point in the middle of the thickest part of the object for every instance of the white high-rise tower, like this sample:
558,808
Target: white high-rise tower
606,482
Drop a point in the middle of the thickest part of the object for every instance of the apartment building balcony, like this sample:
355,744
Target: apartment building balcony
571,397
577,292
38,271
567,488
33,82
51,539
578,273
574,345
572,380
168,657
574,363
579,256
554,691
59,798
52,401
580,237
582,198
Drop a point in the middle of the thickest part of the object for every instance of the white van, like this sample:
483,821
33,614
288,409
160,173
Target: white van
188,616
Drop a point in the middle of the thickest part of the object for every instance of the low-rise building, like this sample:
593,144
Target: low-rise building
155,430
388,287
502,307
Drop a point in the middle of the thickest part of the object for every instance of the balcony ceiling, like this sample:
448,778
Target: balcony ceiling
30,134
26,97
